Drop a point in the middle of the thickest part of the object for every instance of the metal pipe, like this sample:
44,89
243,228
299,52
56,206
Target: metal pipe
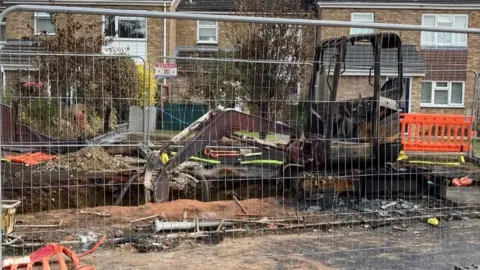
159,226
163,86
377,50
339,60
475,103
229,18
397,5
400,65
164,41
90,2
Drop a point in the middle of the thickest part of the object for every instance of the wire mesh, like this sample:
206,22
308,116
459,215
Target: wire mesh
238,129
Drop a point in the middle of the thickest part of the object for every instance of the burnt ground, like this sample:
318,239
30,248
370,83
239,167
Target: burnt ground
49,197
420,247
407,244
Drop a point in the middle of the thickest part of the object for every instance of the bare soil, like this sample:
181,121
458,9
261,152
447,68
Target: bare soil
43,190
120,217
86,159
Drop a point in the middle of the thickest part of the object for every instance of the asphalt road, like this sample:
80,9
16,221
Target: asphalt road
420,247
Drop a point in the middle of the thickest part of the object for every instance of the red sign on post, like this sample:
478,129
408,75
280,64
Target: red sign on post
165,71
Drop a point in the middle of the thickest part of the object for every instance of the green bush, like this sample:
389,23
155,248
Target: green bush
58,121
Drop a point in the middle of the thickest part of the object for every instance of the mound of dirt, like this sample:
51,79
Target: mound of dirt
120,216
86,159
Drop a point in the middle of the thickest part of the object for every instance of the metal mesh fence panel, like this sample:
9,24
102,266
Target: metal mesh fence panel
359,138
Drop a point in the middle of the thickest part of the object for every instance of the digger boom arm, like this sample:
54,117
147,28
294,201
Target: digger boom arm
213,129
221,124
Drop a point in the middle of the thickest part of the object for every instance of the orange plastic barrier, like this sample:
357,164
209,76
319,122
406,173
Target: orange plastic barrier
31,158
436,132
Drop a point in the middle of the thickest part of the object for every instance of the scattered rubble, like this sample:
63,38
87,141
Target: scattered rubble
86,159
314,208
87,240
400,207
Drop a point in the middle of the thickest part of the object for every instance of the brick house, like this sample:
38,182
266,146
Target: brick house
438,67
203,39
209,35
448,85
144,38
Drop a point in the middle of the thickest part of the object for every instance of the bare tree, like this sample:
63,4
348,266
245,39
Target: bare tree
92,79
82,81
270,82
267,78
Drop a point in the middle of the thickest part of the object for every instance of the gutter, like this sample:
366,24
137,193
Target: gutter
16,67
384,73
393,5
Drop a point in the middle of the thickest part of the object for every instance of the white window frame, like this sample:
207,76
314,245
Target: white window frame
371,30
41,15
4,23
210,26
449,89
117,18
454,35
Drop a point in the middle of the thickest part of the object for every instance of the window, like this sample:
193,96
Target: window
444,39
207,32
43,23
3,31
442,94
125,27
362,17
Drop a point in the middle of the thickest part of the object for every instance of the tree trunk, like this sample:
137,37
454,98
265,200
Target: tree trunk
106,119
263,114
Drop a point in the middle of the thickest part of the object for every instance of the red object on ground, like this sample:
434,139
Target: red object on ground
44,254
464,181
221,153
31,158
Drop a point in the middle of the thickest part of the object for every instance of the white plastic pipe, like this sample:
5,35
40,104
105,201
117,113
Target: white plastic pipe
159,226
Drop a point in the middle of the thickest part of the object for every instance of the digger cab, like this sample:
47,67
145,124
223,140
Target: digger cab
354,117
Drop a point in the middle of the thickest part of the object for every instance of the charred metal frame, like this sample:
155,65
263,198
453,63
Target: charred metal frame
212,127
215,125
379,41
